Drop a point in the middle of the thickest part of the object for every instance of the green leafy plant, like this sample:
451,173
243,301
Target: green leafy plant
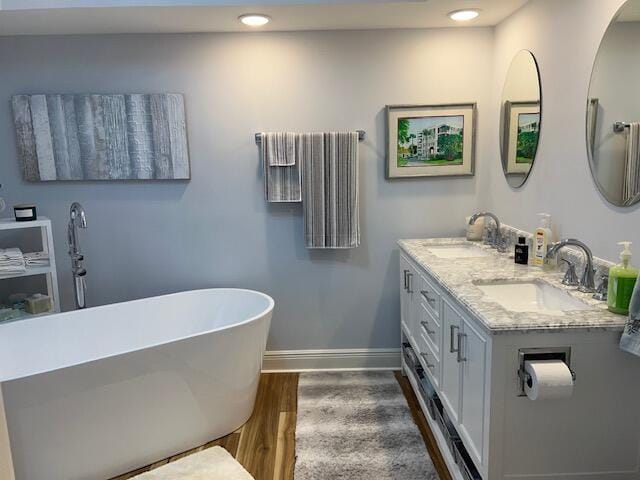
527,145
450,147
403,130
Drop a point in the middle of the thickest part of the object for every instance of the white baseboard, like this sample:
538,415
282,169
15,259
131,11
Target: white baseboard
348,359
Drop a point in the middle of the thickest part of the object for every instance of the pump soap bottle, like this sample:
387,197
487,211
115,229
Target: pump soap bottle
622,279
541,240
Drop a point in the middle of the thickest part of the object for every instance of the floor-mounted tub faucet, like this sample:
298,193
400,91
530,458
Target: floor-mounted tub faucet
587,282
77,219
497,240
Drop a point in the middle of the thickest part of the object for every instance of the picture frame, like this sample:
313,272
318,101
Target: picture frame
430,140
521,118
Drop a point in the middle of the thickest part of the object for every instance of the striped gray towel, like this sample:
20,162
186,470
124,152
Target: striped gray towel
631,183
281,169
330,189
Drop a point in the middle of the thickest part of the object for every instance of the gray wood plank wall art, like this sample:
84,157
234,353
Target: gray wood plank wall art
101,137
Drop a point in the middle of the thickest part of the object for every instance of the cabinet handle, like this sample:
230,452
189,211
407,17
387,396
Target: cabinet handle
425,325
452,328
460,358
425,294
426,360
405,280
409,277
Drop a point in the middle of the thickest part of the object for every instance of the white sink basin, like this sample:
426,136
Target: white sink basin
457,251
533,296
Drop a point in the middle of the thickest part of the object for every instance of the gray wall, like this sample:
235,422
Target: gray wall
564,37
216,230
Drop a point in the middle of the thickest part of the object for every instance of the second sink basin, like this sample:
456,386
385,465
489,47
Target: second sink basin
457,251
531,296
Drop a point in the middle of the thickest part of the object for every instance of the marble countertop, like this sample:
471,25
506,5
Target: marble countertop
459,276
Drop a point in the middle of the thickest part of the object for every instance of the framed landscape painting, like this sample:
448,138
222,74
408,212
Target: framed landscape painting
522,124
430,140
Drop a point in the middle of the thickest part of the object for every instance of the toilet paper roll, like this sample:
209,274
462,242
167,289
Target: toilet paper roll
549,379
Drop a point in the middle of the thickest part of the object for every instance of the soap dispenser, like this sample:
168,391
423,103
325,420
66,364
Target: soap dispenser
622,279
541,240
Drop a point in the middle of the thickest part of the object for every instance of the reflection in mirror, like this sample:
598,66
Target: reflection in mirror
520,118
613,110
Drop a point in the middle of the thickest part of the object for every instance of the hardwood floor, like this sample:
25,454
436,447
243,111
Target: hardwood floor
265,445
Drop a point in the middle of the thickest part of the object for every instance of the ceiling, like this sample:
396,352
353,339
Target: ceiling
56,17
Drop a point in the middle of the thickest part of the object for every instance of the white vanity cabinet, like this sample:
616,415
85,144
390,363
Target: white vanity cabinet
452,352
465,377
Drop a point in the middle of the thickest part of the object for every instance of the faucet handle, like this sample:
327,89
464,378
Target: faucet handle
570,277
602,293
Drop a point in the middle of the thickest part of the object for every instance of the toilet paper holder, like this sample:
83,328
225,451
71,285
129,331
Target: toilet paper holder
544,353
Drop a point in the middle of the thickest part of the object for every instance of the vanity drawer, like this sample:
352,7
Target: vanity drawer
430,296
430,328
428,359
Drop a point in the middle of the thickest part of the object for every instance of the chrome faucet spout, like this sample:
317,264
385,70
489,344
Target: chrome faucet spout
76,212
497,241
587,282
77,219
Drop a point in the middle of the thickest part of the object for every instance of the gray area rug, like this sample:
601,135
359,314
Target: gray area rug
357,425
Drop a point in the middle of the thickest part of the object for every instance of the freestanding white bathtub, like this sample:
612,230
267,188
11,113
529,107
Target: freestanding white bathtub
95,393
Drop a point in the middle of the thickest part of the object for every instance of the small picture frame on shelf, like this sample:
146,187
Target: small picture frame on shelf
522,125
430,140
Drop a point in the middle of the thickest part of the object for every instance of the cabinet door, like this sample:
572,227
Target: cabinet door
450,381
405,298
473,347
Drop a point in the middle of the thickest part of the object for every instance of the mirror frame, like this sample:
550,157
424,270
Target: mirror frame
590,130
502,120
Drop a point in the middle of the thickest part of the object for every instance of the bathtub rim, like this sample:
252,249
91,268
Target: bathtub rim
266,311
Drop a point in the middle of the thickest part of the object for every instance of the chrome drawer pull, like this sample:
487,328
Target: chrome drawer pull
409,277
453,328
425,325
460,358
425,294
405,280
429,365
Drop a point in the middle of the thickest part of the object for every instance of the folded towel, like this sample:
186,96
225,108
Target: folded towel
36,259
630,340
11,261
10,253
631,183
330,189
281,170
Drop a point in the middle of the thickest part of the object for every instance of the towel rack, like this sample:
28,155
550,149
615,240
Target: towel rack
619,127
361,136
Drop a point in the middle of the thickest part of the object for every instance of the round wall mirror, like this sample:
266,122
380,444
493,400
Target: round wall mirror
613,110
520,118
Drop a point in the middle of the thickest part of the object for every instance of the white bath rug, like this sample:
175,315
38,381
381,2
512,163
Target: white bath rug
211,464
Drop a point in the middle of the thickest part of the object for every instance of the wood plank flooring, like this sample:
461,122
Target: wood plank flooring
265,445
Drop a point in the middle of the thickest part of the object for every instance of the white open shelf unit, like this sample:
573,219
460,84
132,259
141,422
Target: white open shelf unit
46,232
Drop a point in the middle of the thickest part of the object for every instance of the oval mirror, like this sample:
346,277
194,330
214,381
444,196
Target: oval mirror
613,110
520,118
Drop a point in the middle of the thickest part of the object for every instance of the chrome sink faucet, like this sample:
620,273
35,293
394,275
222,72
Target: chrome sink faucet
497,240
77,219
587,282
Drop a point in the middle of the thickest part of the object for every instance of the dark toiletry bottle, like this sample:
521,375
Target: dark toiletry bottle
522,252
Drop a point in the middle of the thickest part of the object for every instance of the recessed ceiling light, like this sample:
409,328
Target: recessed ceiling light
464,15
254,19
